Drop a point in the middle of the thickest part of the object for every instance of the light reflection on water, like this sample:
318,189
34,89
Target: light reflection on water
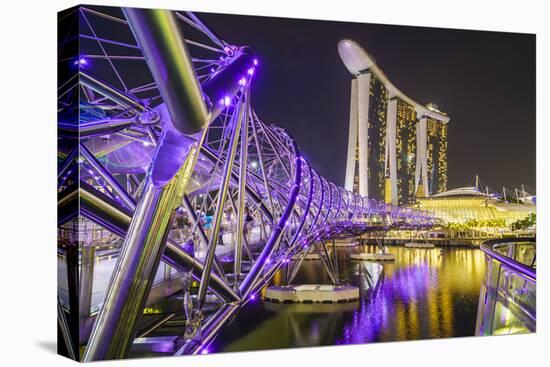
425,293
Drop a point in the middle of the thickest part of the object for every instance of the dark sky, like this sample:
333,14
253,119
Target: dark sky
485,81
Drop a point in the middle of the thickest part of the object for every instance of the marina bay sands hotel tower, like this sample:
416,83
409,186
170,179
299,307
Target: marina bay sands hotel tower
397,148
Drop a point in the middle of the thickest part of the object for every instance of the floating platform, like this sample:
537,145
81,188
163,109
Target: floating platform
312,256
312,293
346,242
419,245
368,256
309,308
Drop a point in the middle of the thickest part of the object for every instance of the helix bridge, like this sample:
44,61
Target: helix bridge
156,124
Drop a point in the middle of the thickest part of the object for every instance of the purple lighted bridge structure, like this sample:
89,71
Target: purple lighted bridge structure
159,146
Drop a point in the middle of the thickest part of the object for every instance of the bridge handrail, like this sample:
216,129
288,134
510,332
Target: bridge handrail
489,247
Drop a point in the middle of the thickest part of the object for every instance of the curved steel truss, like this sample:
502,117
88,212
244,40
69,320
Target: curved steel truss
157,133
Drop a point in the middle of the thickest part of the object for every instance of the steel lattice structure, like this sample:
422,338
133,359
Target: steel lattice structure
155,119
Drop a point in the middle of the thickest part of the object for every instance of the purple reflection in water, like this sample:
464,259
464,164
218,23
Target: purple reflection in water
400,293
424,294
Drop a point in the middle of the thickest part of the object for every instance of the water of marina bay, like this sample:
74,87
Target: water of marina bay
423,294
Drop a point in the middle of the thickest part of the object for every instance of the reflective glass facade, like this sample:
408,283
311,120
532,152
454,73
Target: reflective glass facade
436,156
378,105
405,146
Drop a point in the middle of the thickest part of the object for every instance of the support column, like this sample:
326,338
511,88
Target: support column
363,98
352,138
421,173
86,282
73,284
241,208
238,117
391,132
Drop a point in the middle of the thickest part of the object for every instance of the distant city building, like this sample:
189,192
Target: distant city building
436,153
397,148
469,203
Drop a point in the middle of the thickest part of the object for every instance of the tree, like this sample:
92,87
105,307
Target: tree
529,221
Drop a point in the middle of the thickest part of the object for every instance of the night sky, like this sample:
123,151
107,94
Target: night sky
485,82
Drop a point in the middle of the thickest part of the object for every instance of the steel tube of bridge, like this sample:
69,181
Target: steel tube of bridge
253,122
249,191
202,235
321,200
329,203
222,87
69,159
250,279
331,265
275,150
224,185
243,166
296,266
73,285
101,87
302,243
107,177
100,209
163,46
205,28
307,208
116,221
87,263
94,128
164,49
211,327
136,266
65,331
245,241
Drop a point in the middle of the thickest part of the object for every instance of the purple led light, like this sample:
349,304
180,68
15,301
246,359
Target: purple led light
253,297
255,62
251,71
81,61
226,101
204,351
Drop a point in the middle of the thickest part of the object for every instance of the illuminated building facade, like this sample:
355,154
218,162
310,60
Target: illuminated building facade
436,153
377,130
397,148
367,142
469,203
402,145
